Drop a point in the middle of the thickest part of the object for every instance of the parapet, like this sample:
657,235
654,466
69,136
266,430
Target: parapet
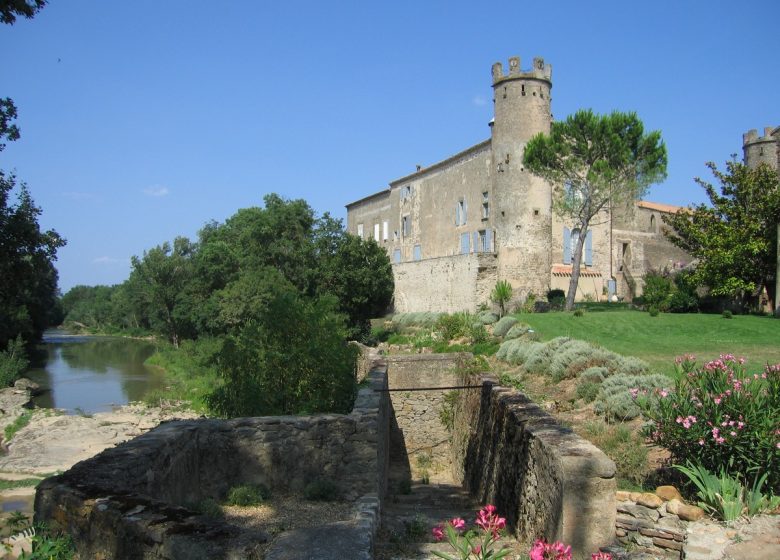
539,71
752,135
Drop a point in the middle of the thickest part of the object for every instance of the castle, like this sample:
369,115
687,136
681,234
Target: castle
453,229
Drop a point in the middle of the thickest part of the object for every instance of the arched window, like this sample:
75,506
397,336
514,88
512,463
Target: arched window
652,223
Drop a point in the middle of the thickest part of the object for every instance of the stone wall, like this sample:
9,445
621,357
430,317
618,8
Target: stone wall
418,428
131,501
545,479
448,284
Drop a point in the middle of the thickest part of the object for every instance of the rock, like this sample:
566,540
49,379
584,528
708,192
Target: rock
640,512
24,384
649,500
622,496
684,511
667,493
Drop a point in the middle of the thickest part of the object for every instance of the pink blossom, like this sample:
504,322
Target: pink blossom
733,433
601,556
664,393
477,549
701,442
458,523
438,533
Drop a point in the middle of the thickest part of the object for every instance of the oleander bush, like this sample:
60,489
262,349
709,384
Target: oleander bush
719,417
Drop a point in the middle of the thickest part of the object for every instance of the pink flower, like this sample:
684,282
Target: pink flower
601,556
701,442
477,549
458,524
438,533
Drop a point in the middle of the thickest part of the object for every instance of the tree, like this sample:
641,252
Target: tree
501,294
595,163
28,289
734,239
10,9
291,359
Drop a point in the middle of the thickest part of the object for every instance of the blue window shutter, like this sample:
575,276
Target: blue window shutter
475,245
464,243
397,255
589,248
457,213
566,246
417,253
489,241
465,211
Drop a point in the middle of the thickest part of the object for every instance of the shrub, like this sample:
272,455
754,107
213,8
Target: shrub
588,390
210,508
657,290
487,317
501,294
717,416
478,333
630,365
617,401
683,302
452,326
516,351
518,330
594,374
653,310
569,352
540,359
529,305
503,326
416,319
321,490
556,298
13,362
579,312
248,495
727,314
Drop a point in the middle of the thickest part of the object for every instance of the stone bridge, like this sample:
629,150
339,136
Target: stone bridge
131,502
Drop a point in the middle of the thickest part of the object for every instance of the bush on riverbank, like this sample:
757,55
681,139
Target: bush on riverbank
13,362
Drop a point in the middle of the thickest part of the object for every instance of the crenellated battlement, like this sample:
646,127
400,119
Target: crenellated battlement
539,71
752,136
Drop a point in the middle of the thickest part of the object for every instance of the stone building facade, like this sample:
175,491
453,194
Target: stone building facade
453,229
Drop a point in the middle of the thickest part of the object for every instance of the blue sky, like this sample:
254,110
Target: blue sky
142,120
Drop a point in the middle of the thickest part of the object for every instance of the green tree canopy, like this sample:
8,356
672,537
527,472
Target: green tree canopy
28,290
11,9
595,163
734,239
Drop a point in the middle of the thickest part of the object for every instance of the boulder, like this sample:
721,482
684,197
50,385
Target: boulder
24,384
667,493
684,511
649,500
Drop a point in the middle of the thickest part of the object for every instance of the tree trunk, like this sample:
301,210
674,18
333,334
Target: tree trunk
576,261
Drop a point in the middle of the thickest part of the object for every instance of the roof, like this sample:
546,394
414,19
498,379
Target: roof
668,208
565,270
443,163
384,192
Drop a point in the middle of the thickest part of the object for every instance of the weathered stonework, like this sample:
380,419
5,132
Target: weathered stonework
545,479
131,501
440,223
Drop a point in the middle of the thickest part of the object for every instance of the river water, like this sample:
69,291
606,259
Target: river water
88,374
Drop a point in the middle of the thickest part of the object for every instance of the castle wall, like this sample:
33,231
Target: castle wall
448,284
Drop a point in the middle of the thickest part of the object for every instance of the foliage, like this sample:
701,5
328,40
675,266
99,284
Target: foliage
321,490
292,359
416,319
19,422
447,409
29,280
453,326
623,445
616,400
210,508
477,543
44,543
653,311
658,288
13,362
518,330
727,314
21,483
487,317
724,496
556,298
11,9
734,238
588,390
501,294
8,130
595,162
579,312
503,326
248,495
718,416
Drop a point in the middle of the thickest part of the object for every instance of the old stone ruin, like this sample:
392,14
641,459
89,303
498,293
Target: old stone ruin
131,502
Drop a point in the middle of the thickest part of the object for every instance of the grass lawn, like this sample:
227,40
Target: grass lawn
658,340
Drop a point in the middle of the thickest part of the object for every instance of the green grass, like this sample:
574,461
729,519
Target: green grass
658,340
24,483
21,421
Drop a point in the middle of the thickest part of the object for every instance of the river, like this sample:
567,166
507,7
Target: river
88,374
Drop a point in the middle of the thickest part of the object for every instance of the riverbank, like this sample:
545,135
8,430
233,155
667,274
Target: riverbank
52,441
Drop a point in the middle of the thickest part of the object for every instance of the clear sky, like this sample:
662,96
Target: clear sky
142,120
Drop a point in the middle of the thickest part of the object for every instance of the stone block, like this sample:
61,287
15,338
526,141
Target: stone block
649,500
638,511
684,511
667,543
667,493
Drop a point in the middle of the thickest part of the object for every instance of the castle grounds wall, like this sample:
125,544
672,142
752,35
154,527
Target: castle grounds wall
445,284
547,481
418,428
132,501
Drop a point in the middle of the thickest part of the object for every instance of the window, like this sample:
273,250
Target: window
360,231
417,253
465,247
406,226
460,212
483,241
406,192
385,230
570,239
376,233
485,206
397,256
575,238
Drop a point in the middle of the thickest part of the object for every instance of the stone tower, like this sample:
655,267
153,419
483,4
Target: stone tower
524,221
762,149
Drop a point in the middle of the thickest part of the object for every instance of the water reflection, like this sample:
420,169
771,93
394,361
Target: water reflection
92,374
